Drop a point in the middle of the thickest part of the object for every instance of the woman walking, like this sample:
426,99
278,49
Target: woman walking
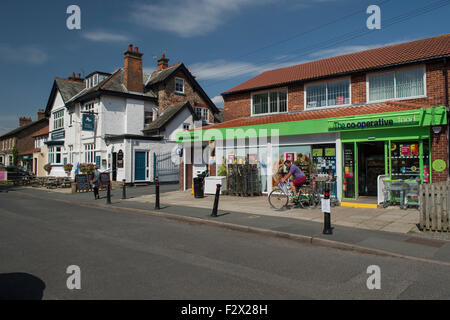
95,182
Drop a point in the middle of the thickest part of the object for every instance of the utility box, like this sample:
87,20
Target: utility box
212,182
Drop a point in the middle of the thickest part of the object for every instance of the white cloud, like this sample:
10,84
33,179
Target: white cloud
188,18
217,100
102,36
29,54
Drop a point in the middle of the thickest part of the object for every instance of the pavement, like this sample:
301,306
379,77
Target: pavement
124,253
285,225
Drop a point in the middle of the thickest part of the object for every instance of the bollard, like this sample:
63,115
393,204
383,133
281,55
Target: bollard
216,201
108,193
157,193
326,212
124,191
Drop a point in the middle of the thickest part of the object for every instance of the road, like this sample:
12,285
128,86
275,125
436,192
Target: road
125,255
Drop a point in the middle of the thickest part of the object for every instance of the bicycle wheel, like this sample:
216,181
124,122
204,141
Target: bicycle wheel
278,199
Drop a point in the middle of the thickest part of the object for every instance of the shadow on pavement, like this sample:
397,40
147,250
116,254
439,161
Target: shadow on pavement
21,286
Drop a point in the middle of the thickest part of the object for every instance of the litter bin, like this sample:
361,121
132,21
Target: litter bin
199,189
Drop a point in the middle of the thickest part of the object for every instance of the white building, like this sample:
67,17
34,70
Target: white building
119,120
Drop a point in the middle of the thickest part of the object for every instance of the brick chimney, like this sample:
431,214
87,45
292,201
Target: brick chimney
40,114
163,63
132,70
74,77
23,121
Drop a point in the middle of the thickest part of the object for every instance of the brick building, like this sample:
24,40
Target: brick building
379,112
22,138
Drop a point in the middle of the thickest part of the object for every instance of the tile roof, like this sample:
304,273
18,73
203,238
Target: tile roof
159,76
69,88
389,106
30,151
20,129
364,60
168,115
42,132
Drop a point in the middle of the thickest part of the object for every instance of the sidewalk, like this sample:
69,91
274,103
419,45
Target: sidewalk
284,225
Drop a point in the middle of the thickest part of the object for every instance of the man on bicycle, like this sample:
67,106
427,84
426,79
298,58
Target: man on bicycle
297,174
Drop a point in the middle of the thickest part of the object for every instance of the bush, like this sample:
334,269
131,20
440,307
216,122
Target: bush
68,167
87,168
48,167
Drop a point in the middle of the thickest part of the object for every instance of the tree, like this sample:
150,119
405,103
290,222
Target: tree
15,156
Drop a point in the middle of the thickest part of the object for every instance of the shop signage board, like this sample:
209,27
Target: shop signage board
88,122
120,159
58,135
3,175
104,179
289,156
82,182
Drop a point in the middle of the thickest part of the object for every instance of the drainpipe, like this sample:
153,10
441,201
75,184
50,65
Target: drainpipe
447,107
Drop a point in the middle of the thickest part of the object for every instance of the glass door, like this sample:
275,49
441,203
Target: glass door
349,171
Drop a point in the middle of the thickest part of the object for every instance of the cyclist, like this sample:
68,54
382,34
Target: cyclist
299,178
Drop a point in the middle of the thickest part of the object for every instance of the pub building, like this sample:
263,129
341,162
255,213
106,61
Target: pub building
360,117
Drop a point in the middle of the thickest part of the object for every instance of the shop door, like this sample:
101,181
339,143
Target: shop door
139,166
114,166
371,164
350,170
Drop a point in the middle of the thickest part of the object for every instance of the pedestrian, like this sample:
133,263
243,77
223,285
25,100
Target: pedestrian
95,182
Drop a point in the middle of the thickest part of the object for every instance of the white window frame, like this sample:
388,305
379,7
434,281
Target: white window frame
148,117
202,109
89,153
278,101
175,89
71,153
188,125
326,82
395,84
58,123
52,154
88,107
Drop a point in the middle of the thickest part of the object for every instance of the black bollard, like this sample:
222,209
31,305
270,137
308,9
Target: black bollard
124,191
216,201
108,193
157,193
327,218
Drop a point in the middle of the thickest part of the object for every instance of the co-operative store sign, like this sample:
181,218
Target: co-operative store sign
374,122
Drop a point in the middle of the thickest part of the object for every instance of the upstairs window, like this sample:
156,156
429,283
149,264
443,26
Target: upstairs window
396,85
88,107
202,113
58,119
186,126
328,94
179,85
148,117
269,102
89,152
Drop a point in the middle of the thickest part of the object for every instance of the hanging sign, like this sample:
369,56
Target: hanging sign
88,122
120,159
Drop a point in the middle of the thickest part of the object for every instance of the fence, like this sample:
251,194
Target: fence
165,168
434,206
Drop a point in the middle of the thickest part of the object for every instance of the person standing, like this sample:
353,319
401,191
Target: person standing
95,182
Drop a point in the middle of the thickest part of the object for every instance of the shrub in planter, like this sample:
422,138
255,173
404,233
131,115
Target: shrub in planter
68,167
87,168
48,168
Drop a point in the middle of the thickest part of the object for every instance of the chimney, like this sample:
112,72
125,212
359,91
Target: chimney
163,63
23,121
73,77
40,114
132,70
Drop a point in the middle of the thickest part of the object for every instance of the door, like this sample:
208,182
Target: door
139,166
349,171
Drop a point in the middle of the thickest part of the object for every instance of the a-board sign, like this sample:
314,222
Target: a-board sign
82,182
104,179
120,159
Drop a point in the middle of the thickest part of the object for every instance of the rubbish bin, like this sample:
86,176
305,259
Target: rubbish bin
199,189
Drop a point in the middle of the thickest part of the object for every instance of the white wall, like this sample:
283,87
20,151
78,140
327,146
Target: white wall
134,116
176,125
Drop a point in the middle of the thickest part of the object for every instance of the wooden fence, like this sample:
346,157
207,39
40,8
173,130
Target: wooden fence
434,206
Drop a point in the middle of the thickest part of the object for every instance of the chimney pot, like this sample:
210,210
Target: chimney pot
23,121
136,49
130,47
163,62
79,76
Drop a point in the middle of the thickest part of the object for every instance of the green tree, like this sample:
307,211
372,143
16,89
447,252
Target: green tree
15,156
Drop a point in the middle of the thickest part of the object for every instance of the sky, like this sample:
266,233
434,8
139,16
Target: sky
222,42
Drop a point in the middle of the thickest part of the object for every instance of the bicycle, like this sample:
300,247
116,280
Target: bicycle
281,195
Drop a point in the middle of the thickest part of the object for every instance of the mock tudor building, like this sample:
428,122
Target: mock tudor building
119,120
22,139
360,116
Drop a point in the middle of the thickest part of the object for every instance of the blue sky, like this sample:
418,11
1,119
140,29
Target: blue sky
222,42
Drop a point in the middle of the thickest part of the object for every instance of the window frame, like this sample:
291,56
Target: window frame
326,82
88,152
55,120
175,85
284,89
423,67
52,155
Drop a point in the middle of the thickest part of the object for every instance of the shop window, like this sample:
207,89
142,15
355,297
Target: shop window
269,102
54,155
406,159
396,85
328,94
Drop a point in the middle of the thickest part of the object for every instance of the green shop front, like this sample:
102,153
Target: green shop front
392,146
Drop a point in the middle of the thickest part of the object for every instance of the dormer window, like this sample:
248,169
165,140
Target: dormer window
179,85
202,113
95,78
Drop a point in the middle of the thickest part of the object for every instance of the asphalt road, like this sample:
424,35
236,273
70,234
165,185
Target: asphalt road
136,256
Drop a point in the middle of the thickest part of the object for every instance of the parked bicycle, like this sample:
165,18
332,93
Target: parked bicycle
281,195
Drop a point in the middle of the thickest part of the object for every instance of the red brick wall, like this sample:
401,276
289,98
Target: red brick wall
238,105
439,145
25,141
181,176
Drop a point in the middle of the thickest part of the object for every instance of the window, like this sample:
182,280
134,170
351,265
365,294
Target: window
10,158
71,154
269,102
202,113
88,107
148,117
327,94
58,119
54,154
397,84
179,85
1,160
186,126
89,153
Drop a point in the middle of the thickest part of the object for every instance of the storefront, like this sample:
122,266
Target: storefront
395,146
